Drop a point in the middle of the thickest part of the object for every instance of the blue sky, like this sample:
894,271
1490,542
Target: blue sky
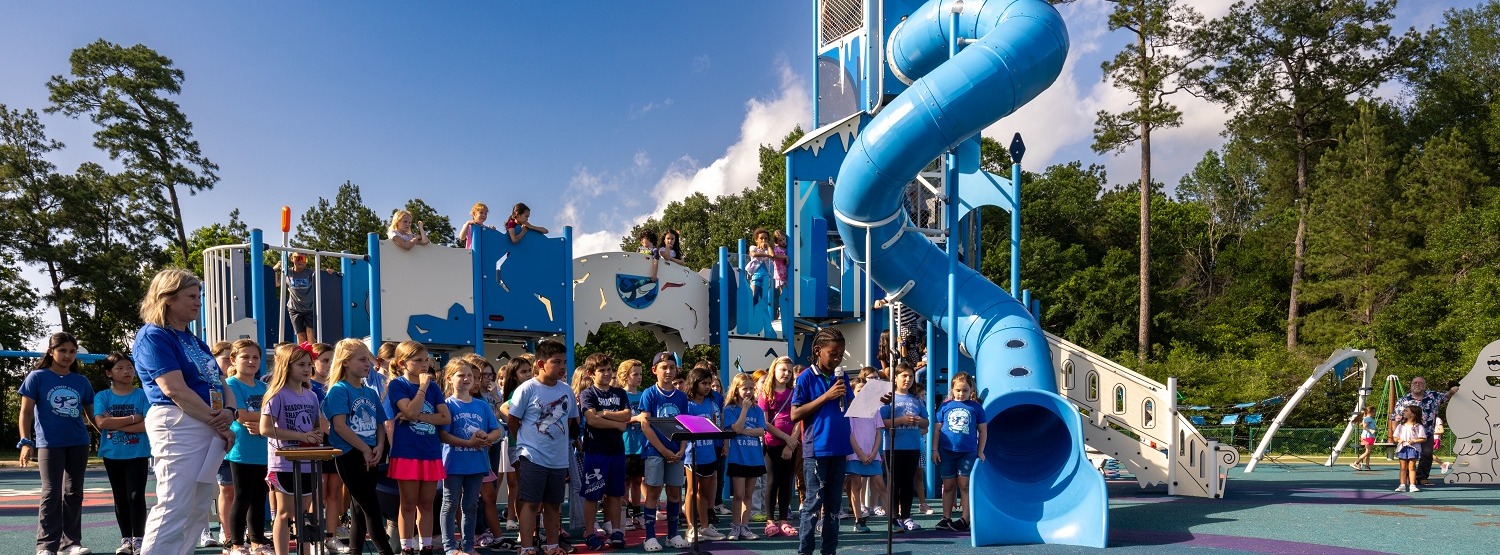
594,113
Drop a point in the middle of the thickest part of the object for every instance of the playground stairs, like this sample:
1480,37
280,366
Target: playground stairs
1132,418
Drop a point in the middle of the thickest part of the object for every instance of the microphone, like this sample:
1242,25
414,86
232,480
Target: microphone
838,376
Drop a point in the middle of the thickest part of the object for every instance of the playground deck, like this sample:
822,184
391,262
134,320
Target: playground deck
1298,509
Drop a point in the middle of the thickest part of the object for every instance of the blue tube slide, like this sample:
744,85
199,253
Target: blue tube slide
1035,485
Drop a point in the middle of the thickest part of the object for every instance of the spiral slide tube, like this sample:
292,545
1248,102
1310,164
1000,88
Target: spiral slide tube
1035,485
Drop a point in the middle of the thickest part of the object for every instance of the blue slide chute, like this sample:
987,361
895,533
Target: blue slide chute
1035,485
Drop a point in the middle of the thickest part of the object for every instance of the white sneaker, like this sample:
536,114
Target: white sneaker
746,534
691,536
628,525
1446,465
721,510
332,545
710,533
1413,488
1401,488
207,539
734,532
678,543
76,549
510,525
651,545
45,552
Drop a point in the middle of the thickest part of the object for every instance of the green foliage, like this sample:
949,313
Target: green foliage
439,229
213,235
342,225
125,91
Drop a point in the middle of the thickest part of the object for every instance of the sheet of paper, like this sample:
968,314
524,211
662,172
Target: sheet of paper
867,404
209,474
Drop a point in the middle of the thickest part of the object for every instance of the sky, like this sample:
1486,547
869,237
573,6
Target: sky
596,114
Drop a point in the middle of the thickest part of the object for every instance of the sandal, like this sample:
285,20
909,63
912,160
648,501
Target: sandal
788,530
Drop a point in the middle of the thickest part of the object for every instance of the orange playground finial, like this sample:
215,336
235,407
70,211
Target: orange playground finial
286,219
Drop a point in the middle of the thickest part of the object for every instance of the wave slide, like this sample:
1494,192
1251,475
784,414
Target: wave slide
1035,484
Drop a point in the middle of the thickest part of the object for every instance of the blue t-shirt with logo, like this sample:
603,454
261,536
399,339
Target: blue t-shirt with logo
360,406
704,451
958,425
743,449
660,404
62,402
469,418
908,436
160,350
248,448
826,433
115,444
635,439
412,439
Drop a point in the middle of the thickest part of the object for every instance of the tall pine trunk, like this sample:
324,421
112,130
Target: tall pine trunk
1143,332
1299,243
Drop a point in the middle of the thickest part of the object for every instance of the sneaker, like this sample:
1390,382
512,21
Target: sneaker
947,524
678,543
710,533
1446,466
746,534
332,545
75,549
651,545
843,514
511,525
484,540
772,530
1413,489
207,539
721,510
1401,488
135,543
960,525
127,547
926,510
734,532
860,528
1354,466
911,525
878,511
617,540
236,550
594,541
556,550
627,524
45,552
691,536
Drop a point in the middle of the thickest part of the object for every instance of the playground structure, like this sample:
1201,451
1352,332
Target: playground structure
1339,364
861,195
1474,416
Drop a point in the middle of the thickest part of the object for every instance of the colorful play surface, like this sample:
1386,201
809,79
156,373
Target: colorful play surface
1298,509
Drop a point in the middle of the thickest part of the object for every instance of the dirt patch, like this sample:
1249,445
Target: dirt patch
1378,512
1490,524
1448,509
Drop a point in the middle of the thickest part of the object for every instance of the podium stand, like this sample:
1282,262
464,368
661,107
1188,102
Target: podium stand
310,531
685,427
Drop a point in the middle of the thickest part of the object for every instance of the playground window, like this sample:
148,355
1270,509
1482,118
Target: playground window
1119,399
1148,419
1068,374
1093,385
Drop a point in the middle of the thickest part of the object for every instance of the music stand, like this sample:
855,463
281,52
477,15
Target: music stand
684,427
309,534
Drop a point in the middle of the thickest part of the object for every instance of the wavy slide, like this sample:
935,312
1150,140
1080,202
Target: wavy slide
1035,485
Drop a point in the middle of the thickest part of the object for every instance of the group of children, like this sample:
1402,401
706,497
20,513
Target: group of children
440,442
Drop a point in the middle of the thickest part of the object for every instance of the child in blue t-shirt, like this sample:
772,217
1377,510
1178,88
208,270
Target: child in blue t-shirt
55,403
467,440
120,414
664,467
904,429
746,454
415,408
701,458
818,403
247,457
358,424
629,374
961,441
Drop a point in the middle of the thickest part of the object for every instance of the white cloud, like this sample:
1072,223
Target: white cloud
641,111
767,121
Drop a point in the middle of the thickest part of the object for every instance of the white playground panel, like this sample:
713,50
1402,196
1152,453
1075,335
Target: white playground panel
1474,417
682,300
1170,450
1366,358
426,280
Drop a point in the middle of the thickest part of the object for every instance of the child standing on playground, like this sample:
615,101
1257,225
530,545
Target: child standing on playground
746,453
664,467
291,418
671,247
477,215
519,223
120,414
1408,435
781,444
701,458
401,232
467,438
1366,438
759,268
247,457
961,421
864,464
635,444
778,258
414,409
544,415
358,425
648,248
904,425
606,410
818,403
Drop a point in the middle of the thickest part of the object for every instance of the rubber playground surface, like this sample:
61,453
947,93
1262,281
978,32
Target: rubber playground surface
1296,509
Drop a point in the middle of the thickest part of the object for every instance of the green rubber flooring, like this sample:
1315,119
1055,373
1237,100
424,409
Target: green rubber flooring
1295,509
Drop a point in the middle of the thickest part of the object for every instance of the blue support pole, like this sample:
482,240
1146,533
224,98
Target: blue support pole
950,178
787,299
475,238
567,301
372,243
1015,227
256,298
726,273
